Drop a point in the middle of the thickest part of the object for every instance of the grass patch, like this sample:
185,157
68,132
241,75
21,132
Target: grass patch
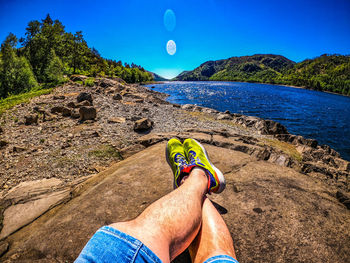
9,102
105,151
284,147
89,82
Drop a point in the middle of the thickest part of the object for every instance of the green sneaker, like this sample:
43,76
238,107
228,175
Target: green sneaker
176,158
197,156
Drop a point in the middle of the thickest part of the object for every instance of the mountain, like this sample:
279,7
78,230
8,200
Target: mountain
156,77
256,68
325,73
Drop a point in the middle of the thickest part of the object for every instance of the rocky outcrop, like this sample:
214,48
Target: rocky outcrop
268,209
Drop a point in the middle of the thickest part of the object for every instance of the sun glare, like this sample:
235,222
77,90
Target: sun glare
171,47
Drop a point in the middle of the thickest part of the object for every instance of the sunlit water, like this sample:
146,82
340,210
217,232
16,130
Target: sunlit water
312,114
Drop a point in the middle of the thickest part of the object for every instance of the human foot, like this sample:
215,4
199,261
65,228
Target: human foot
197,157
176,159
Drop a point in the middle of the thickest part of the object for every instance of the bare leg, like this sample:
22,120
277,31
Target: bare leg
214,238
169,225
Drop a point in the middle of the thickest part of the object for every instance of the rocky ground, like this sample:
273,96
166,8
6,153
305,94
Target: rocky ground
51,145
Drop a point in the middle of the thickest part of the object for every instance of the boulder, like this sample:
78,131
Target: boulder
84,96
143,124
87,113
105,83
117,96
75,114
31,119
3,144
57,109
224,116
66,112
1,130
71,105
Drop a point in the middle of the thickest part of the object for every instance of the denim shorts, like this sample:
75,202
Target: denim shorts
110,245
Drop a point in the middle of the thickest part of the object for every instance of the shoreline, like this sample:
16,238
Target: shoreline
252,115
275,84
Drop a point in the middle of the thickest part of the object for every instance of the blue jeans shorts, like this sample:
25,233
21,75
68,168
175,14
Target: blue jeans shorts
110,245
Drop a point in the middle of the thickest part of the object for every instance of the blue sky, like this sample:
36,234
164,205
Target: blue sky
134,31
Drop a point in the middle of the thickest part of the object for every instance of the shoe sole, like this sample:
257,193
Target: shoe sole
222,181
168,161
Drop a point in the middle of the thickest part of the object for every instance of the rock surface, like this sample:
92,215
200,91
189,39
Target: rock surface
274,213
67,151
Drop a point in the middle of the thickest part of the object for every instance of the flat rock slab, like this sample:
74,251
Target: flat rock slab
17,216
31,188
274,213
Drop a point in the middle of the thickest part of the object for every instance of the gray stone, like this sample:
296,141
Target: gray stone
31,119
75,114
143,124
57,109
87,113
84,96
117,96
66,112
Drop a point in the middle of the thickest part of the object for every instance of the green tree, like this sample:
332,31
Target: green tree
15,72
54,69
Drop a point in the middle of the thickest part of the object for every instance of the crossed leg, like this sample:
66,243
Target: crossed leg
214,238
169,225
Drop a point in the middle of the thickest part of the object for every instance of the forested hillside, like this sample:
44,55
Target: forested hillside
47,53
324,73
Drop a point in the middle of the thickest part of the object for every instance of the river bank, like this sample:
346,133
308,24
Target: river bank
45,139
61,145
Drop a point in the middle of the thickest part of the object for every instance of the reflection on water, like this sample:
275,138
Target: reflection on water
312,114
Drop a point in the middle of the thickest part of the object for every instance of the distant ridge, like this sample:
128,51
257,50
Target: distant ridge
325,73
157,77
247,68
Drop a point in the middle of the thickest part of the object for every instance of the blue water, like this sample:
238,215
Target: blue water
312,114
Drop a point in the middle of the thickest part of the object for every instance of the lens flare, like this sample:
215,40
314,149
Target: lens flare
169,20
171,47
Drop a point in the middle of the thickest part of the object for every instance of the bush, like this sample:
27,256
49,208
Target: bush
90,82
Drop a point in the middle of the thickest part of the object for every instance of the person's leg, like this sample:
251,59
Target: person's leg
169,225
213,238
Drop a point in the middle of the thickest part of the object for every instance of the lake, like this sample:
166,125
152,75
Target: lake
312,114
